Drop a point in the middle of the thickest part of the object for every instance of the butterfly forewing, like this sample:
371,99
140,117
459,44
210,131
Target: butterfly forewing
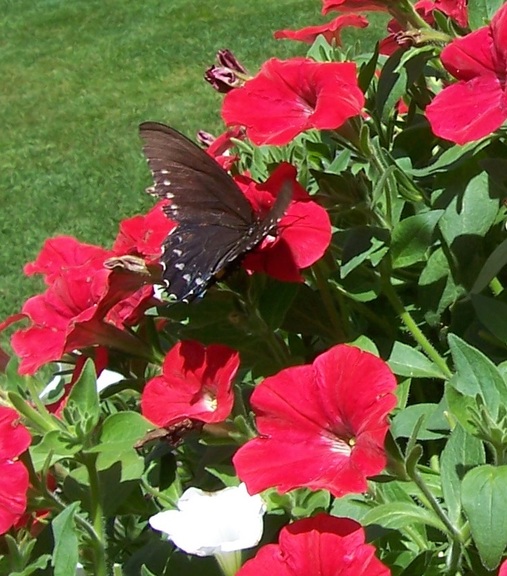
196,185
216,223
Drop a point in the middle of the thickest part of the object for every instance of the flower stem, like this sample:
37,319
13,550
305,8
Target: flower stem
229,562
416,332
96,514
433,502
328,302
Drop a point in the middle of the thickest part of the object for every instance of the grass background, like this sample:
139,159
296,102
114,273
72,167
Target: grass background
78,76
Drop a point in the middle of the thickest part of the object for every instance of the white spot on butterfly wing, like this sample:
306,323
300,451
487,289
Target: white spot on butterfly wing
179,266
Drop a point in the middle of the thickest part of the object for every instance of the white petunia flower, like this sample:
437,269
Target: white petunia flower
211,523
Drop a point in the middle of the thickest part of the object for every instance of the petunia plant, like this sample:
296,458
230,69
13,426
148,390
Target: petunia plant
335,402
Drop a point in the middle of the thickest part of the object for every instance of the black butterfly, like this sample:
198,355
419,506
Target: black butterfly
216,223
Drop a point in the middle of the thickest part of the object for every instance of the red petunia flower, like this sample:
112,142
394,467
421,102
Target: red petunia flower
73,311
218,148
331,30
288,97
321,426
455,9
144,234
475,106
196,383
324,545
356,5
14,440
503,569
303,233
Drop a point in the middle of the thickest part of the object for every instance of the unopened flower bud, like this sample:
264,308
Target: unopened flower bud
222,79
227,59
205,138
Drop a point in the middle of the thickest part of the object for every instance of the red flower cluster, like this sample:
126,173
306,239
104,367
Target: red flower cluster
476,105
14,440
304,232
321,426
85,303
331,31
288,97
196,383
323,545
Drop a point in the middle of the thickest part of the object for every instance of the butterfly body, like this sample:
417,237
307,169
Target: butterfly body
216,225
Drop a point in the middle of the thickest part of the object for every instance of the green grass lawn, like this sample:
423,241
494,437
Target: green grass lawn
78,76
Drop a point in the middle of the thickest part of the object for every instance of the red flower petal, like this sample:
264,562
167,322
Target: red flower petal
288,97
14,437
477,105
196,383
13,487
71,314
320,426
468,111
323,545
331,31
14,440
303,234
144,235
355,5
62,253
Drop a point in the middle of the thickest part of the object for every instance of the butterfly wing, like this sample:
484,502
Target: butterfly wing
199,189
216,223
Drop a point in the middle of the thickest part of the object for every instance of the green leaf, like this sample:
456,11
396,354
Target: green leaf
492,313
480,12
461,453
450,157
405,421
407,361
56,443
350,506
83,404
437,287
392,84
65,553
119,434
367,71
469,214
363,243
276,300
461,407
484,497
399,515
476,374
39,563
495,262
411,238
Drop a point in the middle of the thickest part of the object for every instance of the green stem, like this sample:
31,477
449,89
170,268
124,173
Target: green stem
405,13
97,518
159,495
409,322
41,419
328,301
433,502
